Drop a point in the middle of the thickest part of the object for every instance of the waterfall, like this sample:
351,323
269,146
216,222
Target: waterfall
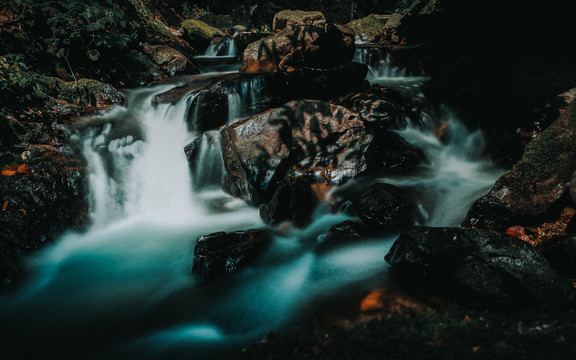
379,63
223,47
151,175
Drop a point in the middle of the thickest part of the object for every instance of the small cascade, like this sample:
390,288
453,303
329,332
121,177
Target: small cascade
245,98
379,63
223,47
219,56
207,169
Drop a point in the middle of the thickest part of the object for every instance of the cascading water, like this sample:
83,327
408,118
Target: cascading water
123,289
379,63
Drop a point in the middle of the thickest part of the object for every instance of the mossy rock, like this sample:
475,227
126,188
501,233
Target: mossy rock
369,28
199,34
84,92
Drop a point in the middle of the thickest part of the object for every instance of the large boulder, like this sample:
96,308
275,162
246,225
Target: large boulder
222,253
478,265
316,140
307,46
536,185
305,137
290,19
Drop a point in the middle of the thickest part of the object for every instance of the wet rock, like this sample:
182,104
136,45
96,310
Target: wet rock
290,19
171,60
536,184
478,265
384,207
293,200
208,110
199,34
222,253
302,47
306,138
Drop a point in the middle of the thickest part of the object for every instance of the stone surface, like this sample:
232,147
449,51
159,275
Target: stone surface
478,265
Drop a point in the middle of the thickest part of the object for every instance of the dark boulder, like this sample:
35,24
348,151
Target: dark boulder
222,253
384,207
537,184
478,265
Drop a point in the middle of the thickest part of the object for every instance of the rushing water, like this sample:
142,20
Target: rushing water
123,289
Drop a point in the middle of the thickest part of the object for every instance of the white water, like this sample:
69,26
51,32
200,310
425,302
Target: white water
123,289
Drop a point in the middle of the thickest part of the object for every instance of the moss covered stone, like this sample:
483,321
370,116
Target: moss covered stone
369,28
199,33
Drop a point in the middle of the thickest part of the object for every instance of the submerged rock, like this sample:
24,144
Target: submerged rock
384,207
223,253
302,47
478,265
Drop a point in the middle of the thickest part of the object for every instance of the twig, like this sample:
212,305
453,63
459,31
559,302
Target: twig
70,67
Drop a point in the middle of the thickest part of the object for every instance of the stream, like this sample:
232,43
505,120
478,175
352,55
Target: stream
123,288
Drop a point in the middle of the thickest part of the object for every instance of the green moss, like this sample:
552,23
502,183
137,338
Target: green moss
196,28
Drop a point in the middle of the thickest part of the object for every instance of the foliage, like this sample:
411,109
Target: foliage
97,24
